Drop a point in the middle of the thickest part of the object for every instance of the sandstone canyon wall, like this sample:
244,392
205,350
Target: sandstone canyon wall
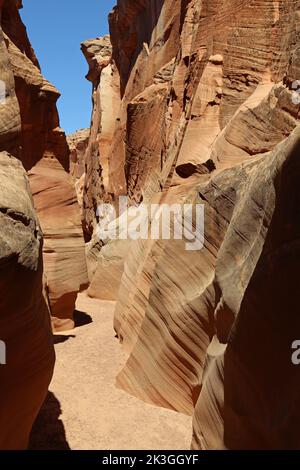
78,144
24,316
30,131
105,260
31,139
202,111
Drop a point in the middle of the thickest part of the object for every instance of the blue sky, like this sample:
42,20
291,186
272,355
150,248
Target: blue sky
56,28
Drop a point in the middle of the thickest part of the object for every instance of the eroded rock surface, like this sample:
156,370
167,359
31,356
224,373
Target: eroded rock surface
29,130
207,115
106,101
78,143
25,327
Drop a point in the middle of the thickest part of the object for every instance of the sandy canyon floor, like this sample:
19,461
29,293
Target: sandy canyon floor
84,409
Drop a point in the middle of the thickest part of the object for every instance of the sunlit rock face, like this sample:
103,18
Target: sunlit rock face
29,130
106,101
78,143
105,261
207,115
256,314
26,351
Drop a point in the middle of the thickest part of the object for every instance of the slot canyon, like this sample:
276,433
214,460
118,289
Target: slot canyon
122,343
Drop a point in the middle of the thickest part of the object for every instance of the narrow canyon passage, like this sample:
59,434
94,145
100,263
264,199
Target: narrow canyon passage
84,409
176,207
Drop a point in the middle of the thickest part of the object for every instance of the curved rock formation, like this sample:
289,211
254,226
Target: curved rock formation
25,328
78,143
29,130
64,252
106,100
250,394
208,116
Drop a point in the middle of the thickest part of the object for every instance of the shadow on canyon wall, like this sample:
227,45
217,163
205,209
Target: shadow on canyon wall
262,386
82,319
48,432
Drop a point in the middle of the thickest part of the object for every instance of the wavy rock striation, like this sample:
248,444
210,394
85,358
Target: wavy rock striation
206,114
29,130
25,328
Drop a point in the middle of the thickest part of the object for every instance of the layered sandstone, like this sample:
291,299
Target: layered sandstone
24,316
64,252
106,100
78,143
30,130
256,315
105,260
208,116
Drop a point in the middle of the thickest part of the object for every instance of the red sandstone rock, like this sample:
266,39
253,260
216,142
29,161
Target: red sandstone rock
64,253
78,143
207,116
24,317
29,129
106,101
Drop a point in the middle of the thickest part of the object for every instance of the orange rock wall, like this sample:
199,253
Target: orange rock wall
25,328
30,131
207,117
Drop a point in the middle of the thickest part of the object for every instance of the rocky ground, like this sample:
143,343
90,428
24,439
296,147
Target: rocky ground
84,409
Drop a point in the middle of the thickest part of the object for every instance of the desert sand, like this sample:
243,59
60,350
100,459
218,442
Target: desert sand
84,409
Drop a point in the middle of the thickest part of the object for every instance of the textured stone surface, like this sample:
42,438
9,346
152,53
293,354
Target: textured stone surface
78,143
89,420
24,316
207,116
29,129
106,100
64,251
256,313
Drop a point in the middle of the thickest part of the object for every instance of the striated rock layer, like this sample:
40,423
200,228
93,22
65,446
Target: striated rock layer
29,130
78,143
106,101
243,404
206,115
25,328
